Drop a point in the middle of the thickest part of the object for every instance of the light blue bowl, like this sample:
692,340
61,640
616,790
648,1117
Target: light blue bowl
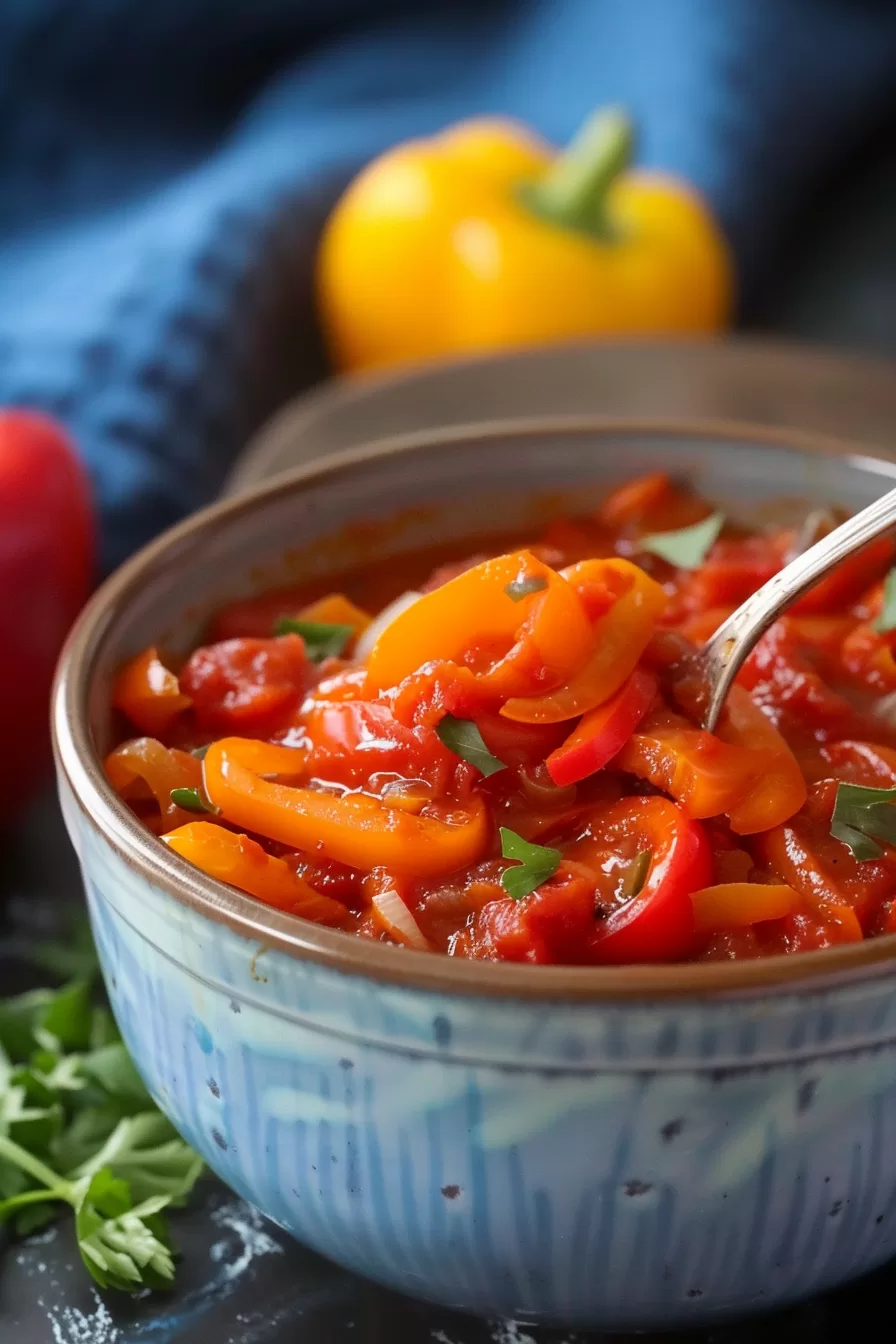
616,1148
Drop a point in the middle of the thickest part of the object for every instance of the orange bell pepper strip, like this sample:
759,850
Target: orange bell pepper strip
514,245
149,694
161,769
707,776
736,905
355,828
514,642
619,637
779,788
241,861
336,609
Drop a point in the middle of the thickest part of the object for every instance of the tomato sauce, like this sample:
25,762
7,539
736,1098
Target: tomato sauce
499,755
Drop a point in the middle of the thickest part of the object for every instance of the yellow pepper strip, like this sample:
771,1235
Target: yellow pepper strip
243,863
353,828
160,768
618,639
148,693
532,642
514,245
736,905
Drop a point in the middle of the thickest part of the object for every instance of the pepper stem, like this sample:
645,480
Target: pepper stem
572,193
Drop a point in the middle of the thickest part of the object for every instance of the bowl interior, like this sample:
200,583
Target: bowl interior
385,501
417,493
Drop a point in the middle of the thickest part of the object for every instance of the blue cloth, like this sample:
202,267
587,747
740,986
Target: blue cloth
165,168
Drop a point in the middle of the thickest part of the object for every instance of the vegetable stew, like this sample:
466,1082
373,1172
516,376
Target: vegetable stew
499,756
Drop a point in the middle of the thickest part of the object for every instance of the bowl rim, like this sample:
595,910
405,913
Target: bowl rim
79,766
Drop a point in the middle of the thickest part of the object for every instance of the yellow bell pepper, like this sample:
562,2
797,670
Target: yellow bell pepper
482,239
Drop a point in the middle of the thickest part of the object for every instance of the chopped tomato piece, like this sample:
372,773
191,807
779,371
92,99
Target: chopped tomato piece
247,685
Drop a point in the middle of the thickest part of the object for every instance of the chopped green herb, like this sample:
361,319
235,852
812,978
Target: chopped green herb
322,640
536,863
463,738
78,1128
191,800
887,618
861,817
635,874
689,546
517,589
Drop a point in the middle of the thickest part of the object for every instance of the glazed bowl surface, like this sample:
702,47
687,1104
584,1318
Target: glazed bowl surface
618,1148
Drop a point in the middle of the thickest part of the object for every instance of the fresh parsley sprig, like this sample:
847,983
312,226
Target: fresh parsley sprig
863,816
689,546
464,738
79,1129
323,639
535,864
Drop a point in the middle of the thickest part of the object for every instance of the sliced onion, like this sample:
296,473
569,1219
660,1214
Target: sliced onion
398,921
364,646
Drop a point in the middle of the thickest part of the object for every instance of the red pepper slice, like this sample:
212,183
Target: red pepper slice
603,732
656,924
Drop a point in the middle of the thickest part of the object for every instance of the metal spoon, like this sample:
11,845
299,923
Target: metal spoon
724,653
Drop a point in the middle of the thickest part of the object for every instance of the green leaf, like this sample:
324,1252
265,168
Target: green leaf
147,1152
463,738
68,1016
322,639
113,1070
887,618
688,547
191,800
536,863
20,1018
33,1217
861,817
84,1136
123,1246
517,589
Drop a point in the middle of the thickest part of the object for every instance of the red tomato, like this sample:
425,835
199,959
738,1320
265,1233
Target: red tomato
361,743
247,686
604,731
46,567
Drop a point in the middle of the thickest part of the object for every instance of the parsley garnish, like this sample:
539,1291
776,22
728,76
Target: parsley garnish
463,738
887,618
322,639
517,589
536,864
191,800
689,546
78,1128
861,817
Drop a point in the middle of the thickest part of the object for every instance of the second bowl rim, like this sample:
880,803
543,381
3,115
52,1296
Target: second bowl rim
140,849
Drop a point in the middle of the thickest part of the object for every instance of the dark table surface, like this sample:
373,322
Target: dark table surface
241,1280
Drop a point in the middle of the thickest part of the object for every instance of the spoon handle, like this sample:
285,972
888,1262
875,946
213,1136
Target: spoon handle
725,651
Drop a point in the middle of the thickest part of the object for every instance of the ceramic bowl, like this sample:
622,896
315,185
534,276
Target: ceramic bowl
617,1147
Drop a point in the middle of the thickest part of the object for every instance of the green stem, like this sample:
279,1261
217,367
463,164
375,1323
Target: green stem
573,191
15,1202
56,1186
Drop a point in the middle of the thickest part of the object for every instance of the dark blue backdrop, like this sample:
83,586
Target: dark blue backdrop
165,166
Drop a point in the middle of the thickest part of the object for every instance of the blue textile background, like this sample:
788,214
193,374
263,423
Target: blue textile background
165,166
